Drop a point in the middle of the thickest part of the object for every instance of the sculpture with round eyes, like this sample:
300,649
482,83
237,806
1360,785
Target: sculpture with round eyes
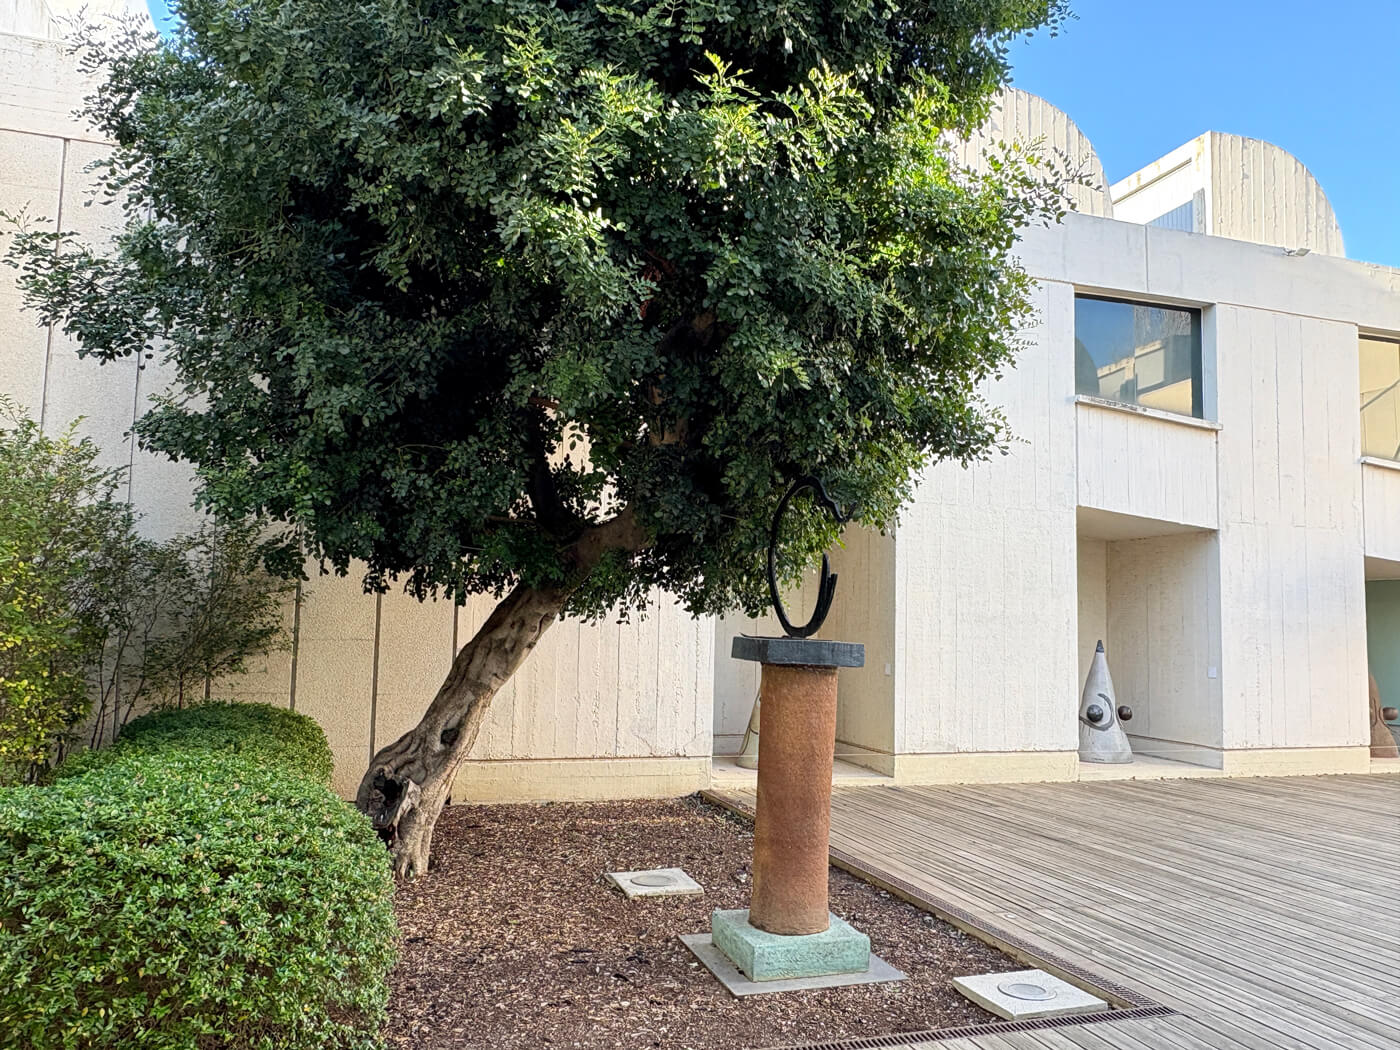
1101,718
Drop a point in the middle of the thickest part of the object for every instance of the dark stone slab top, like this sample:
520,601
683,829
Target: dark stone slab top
802,652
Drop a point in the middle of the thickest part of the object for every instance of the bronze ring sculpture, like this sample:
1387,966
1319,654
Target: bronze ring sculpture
826,587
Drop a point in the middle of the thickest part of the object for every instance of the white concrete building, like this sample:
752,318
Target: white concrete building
1209,481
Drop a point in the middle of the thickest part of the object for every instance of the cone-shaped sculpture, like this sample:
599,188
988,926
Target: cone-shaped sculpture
747,758
1101,736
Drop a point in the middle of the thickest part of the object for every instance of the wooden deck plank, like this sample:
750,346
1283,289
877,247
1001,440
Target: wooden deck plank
1260,909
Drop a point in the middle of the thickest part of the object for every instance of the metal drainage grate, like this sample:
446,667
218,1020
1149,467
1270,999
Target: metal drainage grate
880,1042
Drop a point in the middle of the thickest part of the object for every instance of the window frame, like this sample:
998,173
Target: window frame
1390,340
1198,369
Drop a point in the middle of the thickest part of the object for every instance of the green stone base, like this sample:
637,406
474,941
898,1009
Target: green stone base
764,956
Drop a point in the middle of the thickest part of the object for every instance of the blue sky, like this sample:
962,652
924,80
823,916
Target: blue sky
160,13
1322,80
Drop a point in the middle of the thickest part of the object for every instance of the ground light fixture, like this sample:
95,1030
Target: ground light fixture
655,882
1027,994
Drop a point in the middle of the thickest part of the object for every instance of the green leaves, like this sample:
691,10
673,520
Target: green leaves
195,884
401,255
59,520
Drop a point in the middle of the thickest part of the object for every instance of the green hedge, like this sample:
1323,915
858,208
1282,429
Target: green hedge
187,894
260,732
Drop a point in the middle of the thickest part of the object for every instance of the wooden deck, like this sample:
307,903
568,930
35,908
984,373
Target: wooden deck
1265,911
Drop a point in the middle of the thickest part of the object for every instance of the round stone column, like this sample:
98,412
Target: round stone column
792,825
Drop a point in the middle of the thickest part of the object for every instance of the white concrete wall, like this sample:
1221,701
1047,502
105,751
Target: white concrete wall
1165,184
42,88
603,709
1163,643
1093,600
53,19
1291,538
46,151
1108,256
1147,466
27,18
1264,194
1381,501
864,611
986,615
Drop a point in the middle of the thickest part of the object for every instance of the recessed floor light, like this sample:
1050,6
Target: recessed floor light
1026,990
1027,994
658,882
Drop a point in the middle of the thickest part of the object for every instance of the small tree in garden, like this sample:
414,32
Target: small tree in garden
180,616
551,300
94,615
59,521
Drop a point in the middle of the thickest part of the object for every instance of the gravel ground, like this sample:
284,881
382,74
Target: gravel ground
514,940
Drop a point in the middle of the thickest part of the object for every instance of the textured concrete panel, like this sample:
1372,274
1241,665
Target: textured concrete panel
415,654
335,662
30,177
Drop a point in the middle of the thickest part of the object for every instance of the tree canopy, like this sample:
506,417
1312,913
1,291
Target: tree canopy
447,283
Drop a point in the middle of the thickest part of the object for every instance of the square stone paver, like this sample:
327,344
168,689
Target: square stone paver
1027,994
657,882
702,945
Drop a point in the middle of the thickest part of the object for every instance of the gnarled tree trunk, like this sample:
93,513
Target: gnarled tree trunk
407,783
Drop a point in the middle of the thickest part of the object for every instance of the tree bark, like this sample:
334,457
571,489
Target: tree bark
408,781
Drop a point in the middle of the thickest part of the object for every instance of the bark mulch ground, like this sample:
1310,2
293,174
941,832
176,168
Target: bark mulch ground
514,940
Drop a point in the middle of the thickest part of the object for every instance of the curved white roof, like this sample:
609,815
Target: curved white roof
1020,117
1242,188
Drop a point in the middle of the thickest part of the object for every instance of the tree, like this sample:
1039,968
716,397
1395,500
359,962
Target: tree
550,300
59,518
178,616
98,622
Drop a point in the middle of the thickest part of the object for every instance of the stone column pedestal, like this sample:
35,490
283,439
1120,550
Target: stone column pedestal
788,931
792,824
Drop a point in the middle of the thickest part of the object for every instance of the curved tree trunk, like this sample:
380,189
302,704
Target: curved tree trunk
407,783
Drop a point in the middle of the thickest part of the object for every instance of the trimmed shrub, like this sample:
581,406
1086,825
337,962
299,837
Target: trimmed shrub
259,732
181,896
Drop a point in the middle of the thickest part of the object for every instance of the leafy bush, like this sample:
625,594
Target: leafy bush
58,522
259,732
92,613
182,614
196,889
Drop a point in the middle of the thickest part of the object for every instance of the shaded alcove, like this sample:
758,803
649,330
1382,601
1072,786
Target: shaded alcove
1383,632
1151,591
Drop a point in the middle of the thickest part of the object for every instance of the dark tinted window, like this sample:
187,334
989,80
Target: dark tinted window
1138,353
